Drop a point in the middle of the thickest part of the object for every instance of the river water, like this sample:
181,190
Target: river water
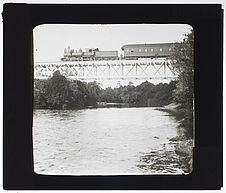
105,141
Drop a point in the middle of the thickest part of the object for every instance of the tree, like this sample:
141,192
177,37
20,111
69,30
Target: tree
57,90
183,58
62,93
40,100
94,90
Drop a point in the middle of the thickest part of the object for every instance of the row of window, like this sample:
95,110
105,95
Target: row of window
146,50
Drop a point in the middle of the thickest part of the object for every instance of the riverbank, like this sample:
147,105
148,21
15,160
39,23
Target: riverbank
183,146
172,109
105,104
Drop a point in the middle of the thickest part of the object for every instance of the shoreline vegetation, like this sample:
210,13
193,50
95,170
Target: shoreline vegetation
59,93
183,145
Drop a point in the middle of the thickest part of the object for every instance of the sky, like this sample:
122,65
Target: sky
50,40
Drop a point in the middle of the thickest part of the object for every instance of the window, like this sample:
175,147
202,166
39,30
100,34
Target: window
131,50
151,49
139,50
169,49
127,50
160,49
146,50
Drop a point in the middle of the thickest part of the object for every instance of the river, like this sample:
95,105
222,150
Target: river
105,141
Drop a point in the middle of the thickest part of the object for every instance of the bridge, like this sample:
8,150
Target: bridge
160,68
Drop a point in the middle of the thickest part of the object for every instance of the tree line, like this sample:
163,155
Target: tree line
145,94
61,93
183,95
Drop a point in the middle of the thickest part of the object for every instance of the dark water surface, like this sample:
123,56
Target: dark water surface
105,141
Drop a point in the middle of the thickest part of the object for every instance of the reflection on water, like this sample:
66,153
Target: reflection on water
105,141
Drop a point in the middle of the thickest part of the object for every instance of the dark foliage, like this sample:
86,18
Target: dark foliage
60,93
145,94
183,58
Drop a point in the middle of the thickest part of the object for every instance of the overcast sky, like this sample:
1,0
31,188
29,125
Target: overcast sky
50,40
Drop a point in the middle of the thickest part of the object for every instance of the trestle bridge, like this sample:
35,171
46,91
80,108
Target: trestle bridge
160,68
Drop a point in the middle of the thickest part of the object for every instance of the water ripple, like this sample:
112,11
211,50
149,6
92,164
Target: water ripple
105,141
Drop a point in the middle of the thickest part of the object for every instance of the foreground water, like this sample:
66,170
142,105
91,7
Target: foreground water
105,141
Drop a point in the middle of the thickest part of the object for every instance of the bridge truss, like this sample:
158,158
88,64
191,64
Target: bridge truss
110,69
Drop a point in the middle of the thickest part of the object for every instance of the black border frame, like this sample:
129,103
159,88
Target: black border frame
19,21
